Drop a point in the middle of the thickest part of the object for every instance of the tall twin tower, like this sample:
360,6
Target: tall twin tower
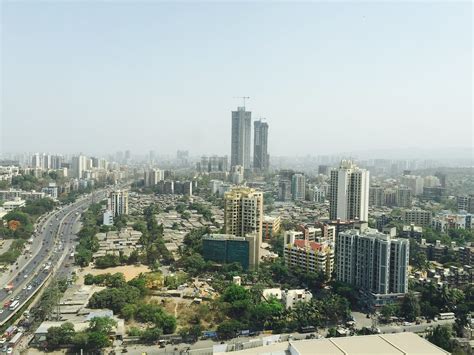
241,138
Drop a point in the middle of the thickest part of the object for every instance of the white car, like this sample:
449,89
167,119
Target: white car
407,324
1,311
29,287
26,276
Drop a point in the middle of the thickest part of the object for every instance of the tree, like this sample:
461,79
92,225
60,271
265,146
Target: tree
420,262
239,301
193,264
58,336
332,333
428,310
228,329
441,336
106,261
114,298
410,307
97,340
115,280
192,333
388,310
154,313
80,340
264,313
128,311
102,324
277,243
151,334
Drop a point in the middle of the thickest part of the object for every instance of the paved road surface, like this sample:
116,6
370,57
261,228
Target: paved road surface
52,244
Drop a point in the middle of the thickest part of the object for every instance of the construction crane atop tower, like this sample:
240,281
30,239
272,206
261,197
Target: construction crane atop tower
243,98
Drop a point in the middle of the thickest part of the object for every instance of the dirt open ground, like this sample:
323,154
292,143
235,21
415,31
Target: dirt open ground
129,271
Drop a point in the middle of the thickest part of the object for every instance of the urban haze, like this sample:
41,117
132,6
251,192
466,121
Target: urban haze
328,77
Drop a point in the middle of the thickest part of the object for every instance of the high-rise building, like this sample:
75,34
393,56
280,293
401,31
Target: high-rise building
36,161
182,156
78,166
323,169
414,183
466,203
298,187
284,190
237,174
243,214
241,135
377,196
153,176
403,197
349,192
118,202
373,261
442,178
261,159
213,164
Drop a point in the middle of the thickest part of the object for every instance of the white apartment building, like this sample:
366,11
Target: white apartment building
214,185
372,261
51,190
118,202
79,165
298,187
108,218
349,193
417,217
446,220
13,205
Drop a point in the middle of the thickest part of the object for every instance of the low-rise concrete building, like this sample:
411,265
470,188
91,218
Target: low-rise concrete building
114,242
13,205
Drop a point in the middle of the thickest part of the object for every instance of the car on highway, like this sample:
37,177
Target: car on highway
406,324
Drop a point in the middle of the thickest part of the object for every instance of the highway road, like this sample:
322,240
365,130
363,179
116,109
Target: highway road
52,245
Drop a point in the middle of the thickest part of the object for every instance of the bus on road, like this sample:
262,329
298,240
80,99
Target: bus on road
447,315
14,305
15,339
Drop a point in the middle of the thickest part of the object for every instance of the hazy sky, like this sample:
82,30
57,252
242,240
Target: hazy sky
328,77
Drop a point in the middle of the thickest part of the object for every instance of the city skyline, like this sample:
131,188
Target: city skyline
113,70
236,177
